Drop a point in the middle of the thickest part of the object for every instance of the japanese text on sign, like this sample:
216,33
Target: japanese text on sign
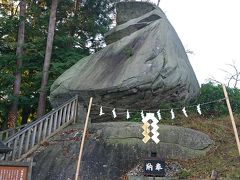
154,167
13,173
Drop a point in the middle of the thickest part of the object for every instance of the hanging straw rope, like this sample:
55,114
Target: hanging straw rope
153,110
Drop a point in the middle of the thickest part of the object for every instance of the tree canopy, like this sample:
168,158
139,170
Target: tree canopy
80,26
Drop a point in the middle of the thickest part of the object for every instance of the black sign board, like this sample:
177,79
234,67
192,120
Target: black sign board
154,167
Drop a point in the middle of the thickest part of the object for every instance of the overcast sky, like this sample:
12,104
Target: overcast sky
209,28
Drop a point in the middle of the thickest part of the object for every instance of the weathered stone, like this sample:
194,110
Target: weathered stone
184,137
131,10
144,65
112,149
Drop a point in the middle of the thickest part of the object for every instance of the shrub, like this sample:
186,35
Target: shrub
211,93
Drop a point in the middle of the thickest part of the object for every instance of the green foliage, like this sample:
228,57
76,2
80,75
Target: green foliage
135,117
128,51
211,92
183,174
75,28
8,30
235,175
211,107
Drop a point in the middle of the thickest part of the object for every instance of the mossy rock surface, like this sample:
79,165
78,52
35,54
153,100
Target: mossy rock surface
175,142
112,149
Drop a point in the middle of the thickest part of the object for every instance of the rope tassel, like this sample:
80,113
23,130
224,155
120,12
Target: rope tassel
159,115
101,111
114,113
172,114
158,112
199,109
184,112
142,115
128,115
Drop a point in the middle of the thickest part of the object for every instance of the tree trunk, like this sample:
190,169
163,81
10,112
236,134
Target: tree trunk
48,53
77,5
73,26
12,115
158,2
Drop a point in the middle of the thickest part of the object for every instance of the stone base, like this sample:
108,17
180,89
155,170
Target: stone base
112,149
150,178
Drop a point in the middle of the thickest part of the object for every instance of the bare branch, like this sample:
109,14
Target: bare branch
226,71
233,77
230,79
214,80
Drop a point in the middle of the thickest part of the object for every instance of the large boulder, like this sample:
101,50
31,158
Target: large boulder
143,65
112,149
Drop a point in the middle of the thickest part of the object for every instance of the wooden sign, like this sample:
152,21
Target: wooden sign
13,173
10,170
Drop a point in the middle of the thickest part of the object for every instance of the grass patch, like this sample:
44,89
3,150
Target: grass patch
183,174
223,156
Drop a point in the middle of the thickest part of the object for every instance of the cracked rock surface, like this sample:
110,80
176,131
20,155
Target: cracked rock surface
143,65
175,142
113,149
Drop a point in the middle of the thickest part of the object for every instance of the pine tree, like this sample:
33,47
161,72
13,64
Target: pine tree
46,65
12,115
77,24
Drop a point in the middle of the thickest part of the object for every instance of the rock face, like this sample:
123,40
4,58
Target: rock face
112,149
143,64
175,142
